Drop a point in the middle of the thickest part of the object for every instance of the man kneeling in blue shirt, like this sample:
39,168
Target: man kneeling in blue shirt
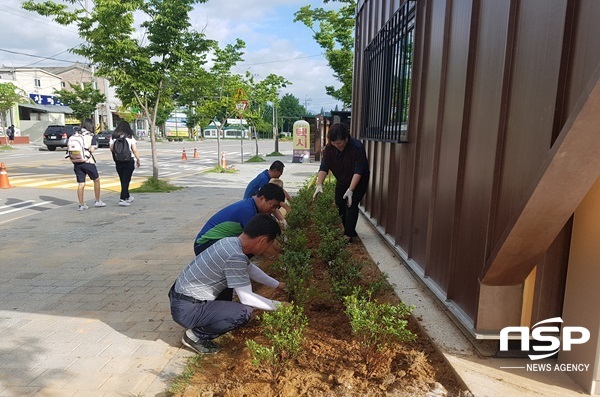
200,298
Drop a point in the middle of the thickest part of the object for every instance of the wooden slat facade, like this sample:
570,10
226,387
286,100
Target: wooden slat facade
496,88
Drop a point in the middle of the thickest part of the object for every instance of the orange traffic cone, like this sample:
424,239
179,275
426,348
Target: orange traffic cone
196,153
4,184
223,163
183,155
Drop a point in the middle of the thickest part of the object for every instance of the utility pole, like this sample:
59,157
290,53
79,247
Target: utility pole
307,101
95,86
109,119
275,128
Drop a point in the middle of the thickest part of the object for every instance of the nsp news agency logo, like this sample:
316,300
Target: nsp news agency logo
542,332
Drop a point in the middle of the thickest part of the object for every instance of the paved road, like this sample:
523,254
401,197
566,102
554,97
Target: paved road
83,305
36,168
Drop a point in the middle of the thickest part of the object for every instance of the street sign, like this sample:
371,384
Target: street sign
45,99
241,106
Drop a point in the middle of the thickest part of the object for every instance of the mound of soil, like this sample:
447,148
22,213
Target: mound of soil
330,363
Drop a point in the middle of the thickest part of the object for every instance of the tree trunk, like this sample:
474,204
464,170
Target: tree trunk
153,150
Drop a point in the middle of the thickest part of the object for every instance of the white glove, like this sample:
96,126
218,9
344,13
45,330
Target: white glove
283,224
318,190
348,197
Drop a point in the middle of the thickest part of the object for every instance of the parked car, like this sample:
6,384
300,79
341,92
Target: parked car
58,135
104,138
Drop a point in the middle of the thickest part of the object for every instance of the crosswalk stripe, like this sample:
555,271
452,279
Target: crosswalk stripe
15,204
25,207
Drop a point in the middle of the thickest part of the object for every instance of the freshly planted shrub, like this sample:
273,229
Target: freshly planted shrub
300,215
297,273
331,244
345,274
294,240
284,329
377,327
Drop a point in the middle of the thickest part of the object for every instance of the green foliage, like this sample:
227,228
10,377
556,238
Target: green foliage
193,365
377,327
255,159
155,185
300,216
272,154
83,100
142,65
294,239
10,94
345,275
284,329
331,244
289,111
222,170
297,274
335,34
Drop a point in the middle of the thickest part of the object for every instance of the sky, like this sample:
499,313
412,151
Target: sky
274,42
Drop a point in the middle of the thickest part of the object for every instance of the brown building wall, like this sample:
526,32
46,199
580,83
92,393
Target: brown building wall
493,83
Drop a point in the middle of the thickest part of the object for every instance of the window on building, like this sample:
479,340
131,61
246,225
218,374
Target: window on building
37,82
63,84
386,86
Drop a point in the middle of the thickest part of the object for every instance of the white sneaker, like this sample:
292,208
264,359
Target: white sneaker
124,203
82,207
130,199
100,203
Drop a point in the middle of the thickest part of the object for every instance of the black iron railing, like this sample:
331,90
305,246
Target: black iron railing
387,78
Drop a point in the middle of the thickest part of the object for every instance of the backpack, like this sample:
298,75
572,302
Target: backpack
121,151
76,150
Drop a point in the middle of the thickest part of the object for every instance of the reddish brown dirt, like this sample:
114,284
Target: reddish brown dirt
330,364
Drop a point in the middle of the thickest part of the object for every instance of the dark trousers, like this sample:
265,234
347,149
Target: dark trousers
209,319
125,170
349,215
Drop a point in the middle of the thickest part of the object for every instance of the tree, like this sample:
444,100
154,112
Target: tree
83,100
217,99
262,92
141,69
9,95
290,111
335,34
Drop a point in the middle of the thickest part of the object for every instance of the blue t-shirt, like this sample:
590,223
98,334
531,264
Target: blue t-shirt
255,184
229,222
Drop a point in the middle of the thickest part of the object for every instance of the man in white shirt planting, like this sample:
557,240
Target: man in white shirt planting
201,296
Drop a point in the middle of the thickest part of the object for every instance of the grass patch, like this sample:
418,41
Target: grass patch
154,185
7,147
223,170
274,154
183,380
255,159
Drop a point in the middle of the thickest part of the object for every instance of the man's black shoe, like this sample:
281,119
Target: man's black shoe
202,346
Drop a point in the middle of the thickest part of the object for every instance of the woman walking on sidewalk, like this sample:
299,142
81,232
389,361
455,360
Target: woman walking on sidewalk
124,150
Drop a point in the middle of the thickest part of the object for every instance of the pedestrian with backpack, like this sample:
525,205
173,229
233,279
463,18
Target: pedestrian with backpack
79,150
124,150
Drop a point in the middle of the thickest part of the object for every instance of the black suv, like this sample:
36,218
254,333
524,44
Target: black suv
58,135
104,138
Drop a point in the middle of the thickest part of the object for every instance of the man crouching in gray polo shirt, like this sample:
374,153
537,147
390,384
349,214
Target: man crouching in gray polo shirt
201,296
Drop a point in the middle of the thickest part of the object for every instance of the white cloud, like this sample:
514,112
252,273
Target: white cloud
274,43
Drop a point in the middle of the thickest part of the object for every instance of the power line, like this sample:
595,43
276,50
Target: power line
30,16
35,56
281,60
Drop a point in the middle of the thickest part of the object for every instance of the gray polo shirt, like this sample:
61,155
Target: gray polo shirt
222,265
